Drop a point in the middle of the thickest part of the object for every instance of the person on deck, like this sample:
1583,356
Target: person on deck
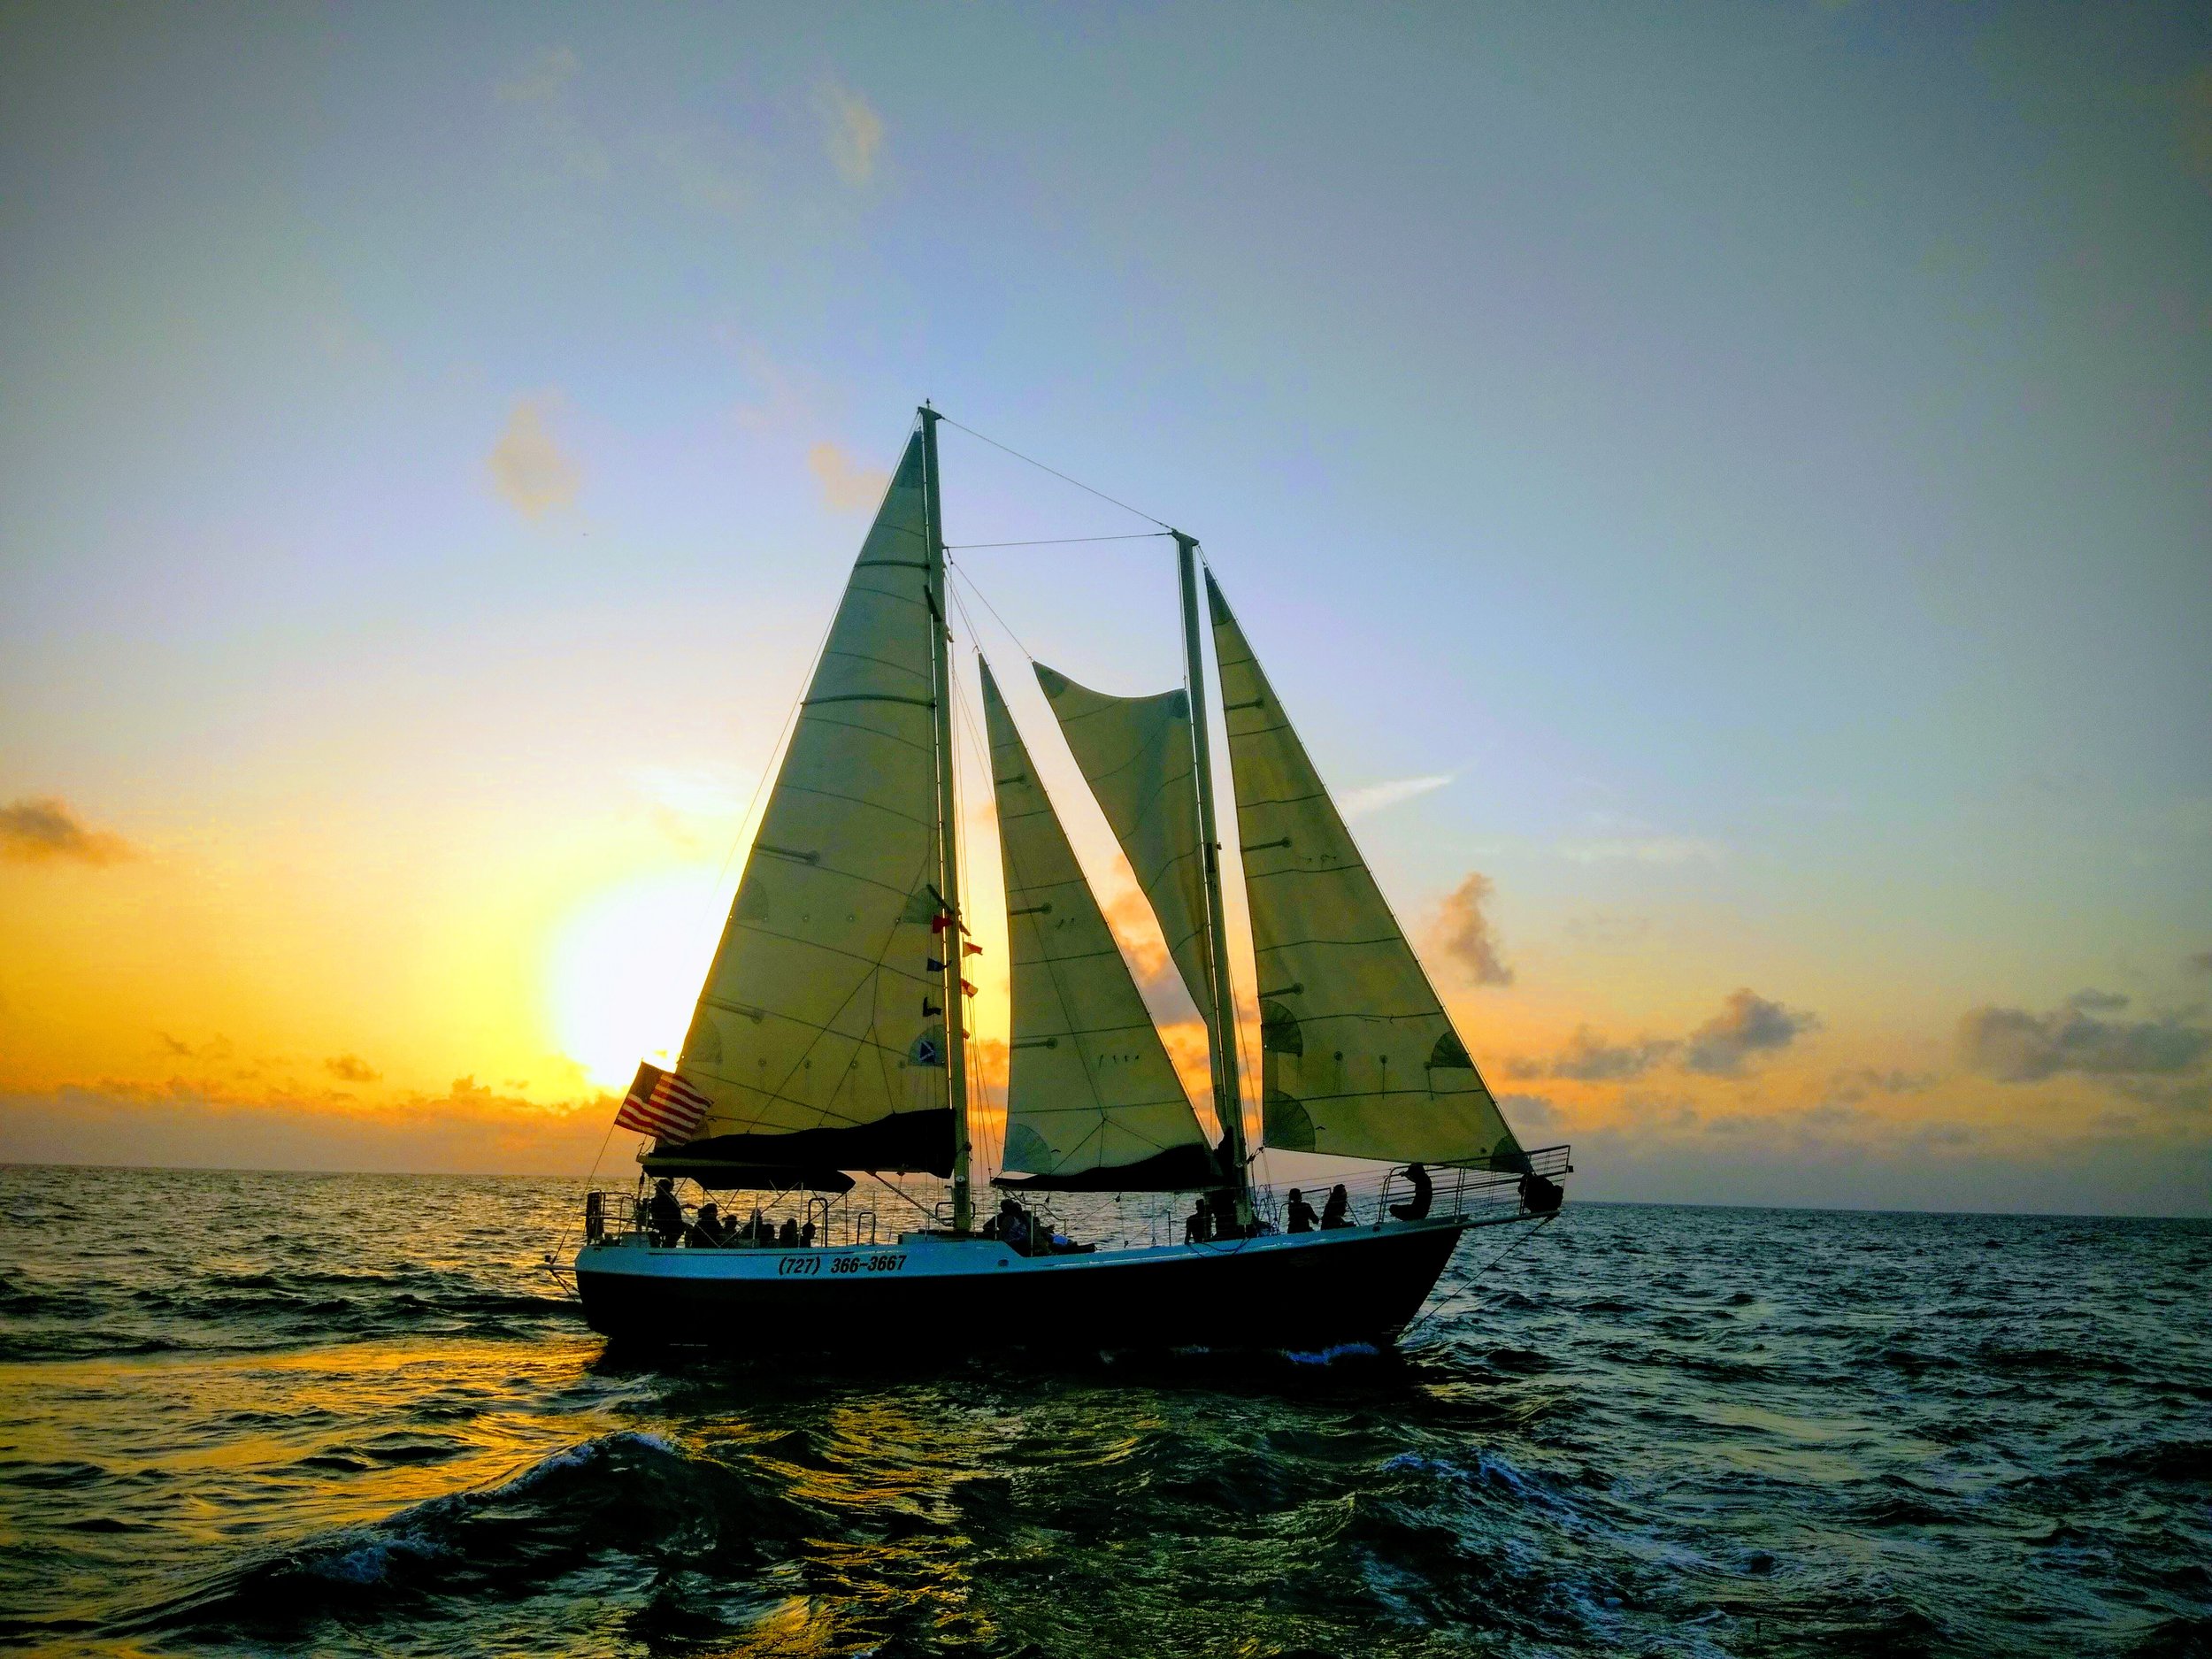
1300,1217
1337,1211
1199,1229
664,1216
806,1235
759,1232
706,1233
788,1235
1225,1214
1417,1206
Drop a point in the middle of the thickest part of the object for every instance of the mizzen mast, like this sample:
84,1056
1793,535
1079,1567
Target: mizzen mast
1222,1016
948,828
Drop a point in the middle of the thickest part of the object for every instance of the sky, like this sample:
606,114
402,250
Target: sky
1725,493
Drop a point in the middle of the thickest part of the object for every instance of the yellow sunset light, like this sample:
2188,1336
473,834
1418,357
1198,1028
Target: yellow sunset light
624,967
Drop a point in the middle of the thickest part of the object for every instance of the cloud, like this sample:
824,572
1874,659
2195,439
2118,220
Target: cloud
1747,1024
1848,1088
1589,1058
531,471
847,486
43,829
2014,1045
1642,850
352,1068
1380,797
1464,932
541,79
2094,1002
544,124
852,131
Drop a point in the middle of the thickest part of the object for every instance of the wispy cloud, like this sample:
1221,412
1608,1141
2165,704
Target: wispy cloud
530,470
1379,797
1642,850
852,131
352,1068
847,486
2014,1045
537,94
1590,1058
43,829
1747,1024
1464,934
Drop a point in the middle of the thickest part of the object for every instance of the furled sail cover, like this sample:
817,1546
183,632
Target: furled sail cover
1357,1057
1091,1099
818,1039
1135,753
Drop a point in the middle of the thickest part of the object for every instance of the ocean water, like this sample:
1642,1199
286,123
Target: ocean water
272,1413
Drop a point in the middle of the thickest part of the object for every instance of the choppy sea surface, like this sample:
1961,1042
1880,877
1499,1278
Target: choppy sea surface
280,1413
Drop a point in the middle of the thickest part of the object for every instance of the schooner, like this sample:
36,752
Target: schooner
829,1039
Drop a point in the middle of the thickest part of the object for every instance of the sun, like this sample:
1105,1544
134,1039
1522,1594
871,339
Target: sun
624,967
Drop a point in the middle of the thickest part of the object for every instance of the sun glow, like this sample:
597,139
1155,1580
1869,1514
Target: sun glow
625,968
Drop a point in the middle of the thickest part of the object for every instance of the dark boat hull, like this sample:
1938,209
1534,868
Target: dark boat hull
934,1296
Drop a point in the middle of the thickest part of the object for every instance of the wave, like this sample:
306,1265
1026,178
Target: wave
628,1495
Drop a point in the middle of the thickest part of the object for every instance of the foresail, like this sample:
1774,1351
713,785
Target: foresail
1357,1057
1091,1099
818,1039
1135,753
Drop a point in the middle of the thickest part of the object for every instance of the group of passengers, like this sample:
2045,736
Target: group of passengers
1028,1234
710,1231
1214,1217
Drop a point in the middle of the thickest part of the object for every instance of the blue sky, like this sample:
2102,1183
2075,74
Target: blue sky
1759,456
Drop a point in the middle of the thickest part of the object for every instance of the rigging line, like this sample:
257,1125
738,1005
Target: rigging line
984,600
1058,541
1422,1322
1056,472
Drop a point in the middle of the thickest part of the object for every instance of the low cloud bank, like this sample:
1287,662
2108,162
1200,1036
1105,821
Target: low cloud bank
2013,1045
472,1131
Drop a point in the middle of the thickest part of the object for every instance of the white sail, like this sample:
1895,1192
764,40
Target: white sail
1357,1056
1092,1098
822,1011
1135,753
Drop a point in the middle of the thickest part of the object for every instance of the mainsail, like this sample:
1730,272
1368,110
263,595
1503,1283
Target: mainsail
819,1041
1135,753
1091,1099
1357,1057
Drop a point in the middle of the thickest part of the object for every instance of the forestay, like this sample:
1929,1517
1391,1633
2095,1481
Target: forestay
818,1039
1357,1057
1091,1099
1135,753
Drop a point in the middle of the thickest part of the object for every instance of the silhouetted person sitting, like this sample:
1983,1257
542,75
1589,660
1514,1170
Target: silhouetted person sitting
1540,1194
1016,1230
664,1216
1337,1211
1300,1217
806,1235
788,1235
1199,1227
759,1232
705,1233
1225,1221
1417,1206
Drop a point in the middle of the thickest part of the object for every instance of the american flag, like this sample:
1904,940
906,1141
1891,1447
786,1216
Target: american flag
662,1104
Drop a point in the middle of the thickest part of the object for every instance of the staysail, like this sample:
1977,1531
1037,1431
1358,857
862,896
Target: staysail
819,1041
1135,753
1357,1056
1091,1099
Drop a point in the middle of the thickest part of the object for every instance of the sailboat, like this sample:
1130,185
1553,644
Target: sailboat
830,1042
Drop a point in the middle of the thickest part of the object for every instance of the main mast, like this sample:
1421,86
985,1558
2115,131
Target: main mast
948,829
1228,1093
